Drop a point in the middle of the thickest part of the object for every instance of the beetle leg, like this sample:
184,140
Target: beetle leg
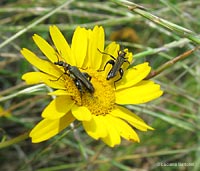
112,62
127,61
58,77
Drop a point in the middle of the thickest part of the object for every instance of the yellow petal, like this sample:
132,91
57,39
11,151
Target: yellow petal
45,47
39,77
131,118
125,130
47,128
129,56
79,45
112,49
95,127
81,113
58,107
86,62
113,137
133,75
42,65
91,128
61,45
61,93
96,41
142,92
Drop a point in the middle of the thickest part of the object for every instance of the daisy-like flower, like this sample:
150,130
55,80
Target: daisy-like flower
101,112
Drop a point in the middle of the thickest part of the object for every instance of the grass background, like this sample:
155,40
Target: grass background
175,116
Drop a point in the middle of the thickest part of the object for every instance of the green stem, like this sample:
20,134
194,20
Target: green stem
170,63
14,140
166,47
34,24
138,9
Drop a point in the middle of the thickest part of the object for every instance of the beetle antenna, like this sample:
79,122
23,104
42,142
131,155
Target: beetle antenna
106,54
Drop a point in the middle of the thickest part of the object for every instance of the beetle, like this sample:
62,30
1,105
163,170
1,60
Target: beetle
81,79
116,64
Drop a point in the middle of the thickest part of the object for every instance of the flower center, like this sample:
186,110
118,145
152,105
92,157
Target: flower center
102,101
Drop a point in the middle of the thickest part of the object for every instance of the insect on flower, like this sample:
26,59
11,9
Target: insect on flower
116,64
81,79
104,116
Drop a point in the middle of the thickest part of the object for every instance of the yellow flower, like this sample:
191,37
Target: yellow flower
101,112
